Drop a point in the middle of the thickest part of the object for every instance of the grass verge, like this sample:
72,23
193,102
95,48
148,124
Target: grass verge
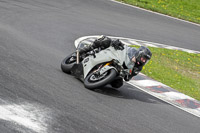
183,9
177,69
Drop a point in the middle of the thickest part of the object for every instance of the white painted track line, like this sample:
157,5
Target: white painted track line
155,12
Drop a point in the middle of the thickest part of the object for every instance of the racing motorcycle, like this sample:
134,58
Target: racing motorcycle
95,68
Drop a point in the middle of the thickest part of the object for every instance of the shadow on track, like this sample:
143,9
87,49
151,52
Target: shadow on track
128,92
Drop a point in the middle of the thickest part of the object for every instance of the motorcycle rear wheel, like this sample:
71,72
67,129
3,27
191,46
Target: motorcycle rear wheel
67,63
91,83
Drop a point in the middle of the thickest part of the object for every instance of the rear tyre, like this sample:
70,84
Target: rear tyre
93,81
68,63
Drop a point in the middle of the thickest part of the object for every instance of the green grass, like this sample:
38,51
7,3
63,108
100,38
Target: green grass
183,9
177,69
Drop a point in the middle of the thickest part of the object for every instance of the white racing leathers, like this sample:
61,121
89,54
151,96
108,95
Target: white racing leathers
107,55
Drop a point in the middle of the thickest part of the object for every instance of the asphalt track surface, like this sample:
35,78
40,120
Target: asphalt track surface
36,96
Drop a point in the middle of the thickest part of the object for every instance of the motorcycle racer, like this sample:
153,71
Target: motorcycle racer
134,59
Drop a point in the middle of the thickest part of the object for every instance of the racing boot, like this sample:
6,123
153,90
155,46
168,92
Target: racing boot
103,42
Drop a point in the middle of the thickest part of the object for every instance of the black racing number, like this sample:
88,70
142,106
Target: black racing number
86,60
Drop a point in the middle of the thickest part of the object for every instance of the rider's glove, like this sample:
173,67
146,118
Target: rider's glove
117,45
136,70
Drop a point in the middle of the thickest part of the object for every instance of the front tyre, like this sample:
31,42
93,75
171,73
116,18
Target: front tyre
68,63
93,80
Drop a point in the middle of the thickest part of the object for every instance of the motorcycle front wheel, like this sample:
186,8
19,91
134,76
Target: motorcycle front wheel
93,80
68,63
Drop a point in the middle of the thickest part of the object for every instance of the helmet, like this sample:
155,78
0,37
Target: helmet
143,55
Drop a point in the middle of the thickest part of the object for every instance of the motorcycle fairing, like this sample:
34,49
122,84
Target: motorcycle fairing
105,56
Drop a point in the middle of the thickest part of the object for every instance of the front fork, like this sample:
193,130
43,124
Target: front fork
77,57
